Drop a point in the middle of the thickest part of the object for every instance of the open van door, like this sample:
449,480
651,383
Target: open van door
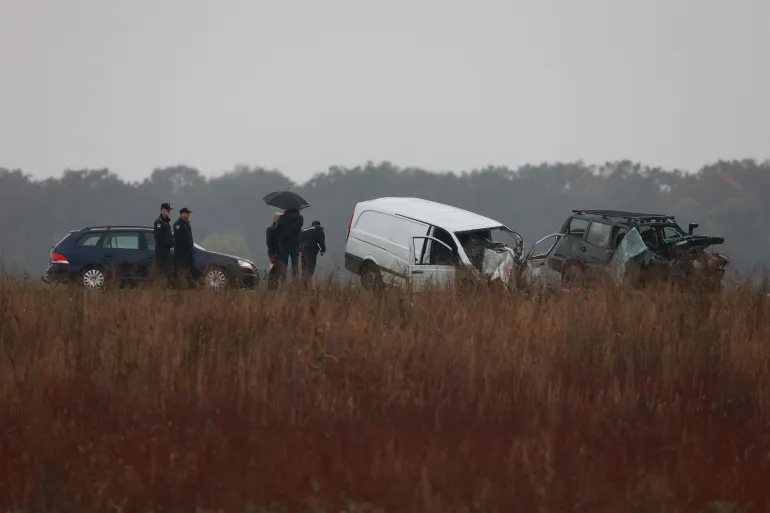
426,265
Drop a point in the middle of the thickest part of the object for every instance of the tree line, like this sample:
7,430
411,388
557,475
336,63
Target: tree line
727,198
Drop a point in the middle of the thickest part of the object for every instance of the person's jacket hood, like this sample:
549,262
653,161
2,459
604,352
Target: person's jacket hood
289,228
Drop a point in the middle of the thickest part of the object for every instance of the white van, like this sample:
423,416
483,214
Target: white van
411,240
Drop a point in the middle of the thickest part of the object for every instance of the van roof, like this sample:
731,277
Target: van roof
438,214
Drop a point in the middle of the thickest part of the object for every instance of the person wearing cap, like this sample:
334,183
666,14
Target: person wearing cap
164,240
184,255
313,243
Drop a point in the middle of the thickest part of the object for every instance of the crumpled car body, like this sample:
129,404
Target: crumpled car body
682,260
489,256
630,248
494,262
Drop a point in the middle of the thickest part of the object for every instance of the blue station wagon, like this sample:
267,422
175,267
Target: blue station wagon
96,256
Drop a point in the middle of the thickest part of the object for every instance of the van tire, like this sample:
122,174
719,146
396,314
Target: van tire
371,278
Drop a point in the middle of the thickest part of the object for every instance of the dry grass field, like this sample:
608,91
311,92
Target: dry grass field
340,400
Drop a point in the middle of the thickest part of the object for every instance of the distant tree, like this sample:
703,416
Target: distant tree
727,198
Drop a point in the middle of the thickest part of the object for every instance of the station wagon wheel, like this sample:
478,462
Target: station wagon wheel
370,277
216,278
93,278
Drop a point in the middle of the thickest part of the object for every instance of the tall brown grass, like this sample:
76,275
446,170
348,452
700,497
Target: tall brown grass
318,400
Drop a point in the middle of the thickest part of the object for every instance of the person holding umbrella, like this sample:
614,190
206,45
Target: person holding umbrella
288,228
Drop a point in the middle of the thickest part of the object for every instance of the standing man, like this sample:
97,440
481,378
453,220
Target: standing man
313,242
184,255
164,241
271,238
289,228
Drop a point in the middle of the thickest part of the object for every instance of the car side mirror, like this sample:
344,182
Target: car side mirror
691,228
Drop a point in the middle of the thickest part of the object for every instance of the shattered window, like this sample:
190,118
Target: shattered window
544,246
670,232
599,234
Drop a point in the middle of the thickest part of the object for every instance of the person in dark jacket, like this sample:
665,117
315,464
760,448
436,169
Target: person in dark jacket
289,228
184,253
164,241
313,243
271,239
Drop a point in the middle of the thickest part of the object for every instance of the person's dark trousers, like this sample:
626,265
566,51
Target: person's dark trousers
186,274
309,260
285,255
274,273
164,265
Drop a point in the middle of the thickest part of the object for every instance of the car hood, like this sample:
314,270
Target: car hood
227,255
690,242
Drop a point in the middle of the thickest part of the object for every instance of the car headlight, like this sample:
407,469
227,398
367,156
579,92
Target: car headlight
245,264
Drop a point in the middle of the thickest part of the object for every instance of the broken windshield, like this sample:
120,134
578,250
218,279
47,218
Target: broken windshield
657,236
492,251
490,238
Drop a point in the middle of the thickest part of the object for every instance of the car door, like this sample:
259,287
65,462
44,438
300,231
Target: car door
122,253
146,255
597,248
535,272
425,266
569,248
89,250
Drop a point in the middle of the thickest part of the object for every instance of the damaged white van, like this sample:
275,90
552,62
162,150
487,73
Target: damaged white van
399,241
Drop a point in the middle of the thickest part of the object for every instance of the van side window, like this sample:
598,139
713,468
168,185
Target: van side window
439,255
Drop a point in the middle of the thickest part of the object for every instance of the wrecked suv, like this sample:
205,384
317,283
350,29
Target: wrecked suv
630,247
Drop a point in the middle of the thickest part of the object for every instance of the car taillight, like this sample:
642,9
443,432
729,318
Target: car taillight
58,258
350,223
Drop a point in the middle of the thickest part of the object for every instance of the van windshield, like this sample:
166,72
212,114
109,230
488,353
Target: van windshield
478,242
499,236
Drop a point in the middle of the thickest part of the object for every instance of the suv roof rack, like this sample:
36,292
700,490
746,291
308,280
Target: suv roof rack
622,214
110,226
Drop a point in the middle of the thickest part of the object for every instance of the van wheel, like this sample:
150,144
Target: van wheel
371,278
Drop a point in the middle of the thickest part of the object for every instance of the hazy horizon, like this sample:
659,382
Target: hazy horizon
301,86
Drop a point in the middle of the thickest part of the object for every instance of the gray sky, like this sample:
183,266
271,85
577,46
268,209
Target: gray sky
443,84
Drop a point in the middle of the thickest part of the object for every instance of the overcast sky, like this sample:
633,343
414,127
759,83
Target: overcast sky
300,85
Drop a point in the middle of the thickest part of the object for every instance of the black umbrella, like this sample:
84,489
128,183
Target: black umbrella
286,200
